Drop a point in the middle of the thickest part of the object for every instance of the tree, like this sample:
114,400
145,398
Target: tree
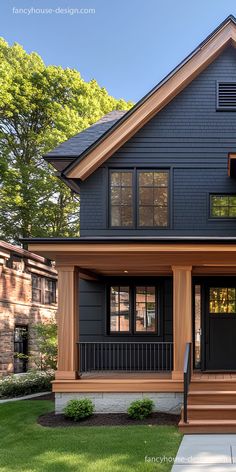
46,341
40,106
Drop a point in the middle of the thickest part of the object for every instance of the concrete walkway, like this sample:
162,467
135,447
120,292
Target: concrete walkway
206,452
26,397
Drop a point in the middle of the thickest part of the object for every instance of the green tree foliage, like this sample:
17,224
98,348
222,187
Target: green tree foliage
40,106
46,341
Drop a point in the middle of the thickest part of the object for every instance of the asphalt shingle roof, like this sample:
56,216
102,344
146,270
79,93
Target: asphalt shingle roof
74,146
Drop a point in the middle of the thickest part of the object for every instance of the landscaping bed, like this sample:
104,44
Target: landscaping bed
108,419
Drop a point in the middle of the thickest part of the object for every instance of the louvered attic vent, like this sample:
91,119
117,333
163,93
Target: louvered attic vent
226,96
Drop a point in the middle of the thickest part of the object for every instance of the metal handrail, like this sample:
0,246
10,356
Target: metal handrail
187,377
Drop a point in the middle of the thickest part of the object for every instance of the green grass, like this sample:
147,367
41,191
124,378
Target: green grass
26,446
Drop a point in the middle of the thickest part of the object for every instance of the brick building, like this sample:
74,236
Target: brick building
27,296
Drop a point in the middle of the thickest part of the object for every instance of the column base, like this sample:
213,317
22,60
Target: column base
66,375
177,375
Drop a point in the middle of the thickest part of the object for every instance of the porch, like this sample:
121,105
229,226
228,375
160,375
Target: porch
126,366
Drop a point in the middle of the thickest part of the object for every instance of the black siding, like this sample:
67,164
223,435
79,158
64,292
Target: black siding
93,313
190,138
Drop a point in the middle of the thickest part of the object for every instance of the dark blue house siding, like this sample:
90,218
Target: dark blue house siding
93,314
190,138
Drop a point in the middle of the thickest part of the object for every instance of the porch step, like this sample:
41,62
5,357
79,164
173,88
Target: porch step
208,426
211,412
213,384
212,397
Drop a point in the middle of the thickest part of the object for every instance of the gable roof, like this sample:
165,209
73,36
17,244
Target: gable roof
79,143
128,124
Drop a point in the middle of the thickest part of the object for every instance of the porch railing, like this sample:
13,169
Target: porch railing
125,356
187,377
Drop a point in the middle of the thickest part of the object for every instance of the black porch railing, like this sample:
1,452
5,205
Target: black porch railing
125,356
187,378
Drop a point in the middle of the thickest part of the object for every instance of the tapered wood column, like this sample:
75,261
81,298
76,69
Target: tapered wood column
68,288
182,316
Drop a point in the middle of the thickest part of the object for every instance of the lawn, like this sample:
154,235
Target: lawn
27,447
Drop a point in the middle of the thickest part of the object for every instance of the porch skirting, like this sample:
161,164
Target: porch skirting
107,402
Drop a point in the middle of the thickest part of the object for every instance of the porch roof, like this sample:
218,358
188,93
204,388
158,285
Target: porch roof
140,256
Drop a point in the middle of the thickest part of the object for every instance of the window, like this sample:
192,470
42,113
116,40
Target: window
50,291
226,96
20,349
139,199
119,309
43,290
36,288
222,300
121,194
223,206
145,314
133,309
153,199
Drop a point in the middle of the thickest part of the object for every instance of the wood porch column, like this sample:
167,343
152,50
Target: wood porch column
182,316
68,287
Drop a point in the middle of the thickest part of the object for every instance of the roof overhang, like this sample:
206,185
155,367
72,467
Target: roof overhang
148,258
202,57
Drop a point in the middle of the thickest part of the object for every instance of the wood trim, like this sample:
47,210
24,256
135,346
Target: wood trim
182,316
158,100
67,322
117,385
231,158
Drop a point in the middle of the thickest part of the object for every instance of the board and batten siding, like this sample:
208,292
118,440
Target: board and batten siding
92,317
190,138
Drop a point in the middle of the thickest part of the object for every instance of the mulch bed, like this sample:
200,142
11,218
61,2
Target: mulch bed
108,419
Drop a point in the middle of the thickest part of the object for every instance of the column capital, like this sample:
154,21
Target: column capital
180,267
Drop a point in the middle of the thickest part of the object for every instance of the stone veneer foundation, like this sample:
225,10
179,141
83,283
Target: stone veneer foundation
119,402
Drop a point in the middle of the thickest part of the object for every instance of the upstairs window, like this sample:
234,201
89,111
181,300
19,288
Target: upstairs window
226,96
153,199
139,198
223,206
121,195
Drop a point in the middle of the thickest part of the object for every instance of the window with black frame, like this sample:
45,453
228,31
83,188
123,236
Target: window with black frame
119,309
121,198
223,206
133,309
153,199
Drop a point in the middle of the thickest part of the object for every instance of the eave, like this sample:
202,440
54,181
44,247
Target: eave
154,102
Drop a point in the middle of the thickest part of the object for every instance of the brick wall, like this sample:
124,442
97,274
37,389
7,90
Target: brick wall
16,306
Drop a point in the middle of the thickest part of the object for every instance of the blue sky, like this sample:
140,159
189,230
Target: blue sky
126,45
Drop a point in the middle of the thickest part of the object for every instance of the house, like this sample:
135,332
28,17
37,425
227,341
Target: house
147,294
27,297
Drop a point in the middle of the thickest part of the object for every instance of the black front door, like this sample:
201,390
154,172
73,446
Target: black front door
220,325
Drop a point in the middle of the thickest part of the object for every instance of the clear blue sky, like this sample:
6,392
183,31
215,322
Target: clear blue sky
127,45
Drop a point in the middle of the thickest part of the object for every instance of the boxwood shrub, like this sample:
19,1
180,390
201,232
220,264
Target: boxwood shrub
26,384
140,409
79,409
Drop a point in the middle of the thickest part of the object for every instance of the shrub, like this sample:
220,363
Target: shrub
26,384
79,409
46,340
140,409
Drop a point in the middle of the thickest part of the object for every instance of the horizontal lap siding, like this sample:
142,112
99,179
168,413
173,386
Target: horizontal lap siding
191,139
92,314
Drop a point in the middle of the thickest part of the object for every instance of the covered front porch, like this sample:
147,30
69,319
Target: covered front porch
126,365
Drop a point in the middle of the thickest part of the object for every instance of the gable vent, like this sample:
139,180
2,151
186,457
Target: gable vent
226,96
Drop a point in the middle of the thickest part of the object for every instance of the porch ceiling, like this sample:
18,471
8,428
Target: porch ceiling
140,258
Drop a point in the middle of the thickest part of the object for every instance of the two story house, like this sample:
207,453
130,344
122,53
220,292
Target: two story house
147,293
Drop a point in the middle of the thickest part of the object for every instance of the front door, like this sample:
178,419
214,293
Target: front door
220,325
